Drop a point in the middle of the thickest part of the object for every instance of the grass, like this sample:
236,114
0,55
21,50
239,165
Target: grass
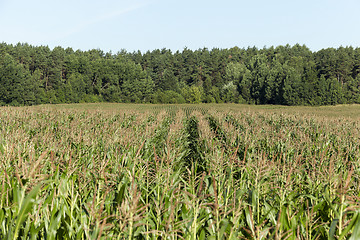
125,171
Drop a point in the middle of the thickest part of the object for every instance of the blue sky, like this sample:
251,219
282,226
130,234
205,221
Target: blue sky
154,24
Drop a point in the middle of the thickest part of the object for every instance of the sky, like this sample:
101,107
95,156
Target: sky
144,25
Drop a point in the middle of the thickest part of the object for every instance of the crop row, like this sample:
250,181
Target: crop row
177,173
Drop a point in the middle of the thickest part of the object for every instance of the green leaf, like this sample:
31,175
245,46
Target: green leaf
332,230
202,235
224,226
356,233
249,220
349,226
35,231
119,195
54,224
25,208
50,198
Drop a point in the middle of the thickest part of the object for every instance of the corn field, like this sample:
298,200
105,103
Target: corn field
177,172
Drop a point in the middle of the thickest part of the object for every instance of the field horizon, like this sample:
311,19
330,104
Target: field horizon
340,110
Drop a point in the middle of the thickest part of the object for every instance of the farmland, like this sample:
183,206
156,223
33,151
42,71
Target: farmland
126,171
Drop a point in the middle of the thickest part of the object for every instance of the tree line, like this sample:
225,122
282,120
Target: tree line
287,75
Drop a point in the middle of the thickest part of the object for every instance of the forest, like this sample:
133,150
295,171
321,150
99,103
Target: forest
284,75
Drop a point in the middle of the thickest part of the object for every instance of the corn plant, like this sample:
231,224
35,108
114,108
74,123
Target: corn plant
178,172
